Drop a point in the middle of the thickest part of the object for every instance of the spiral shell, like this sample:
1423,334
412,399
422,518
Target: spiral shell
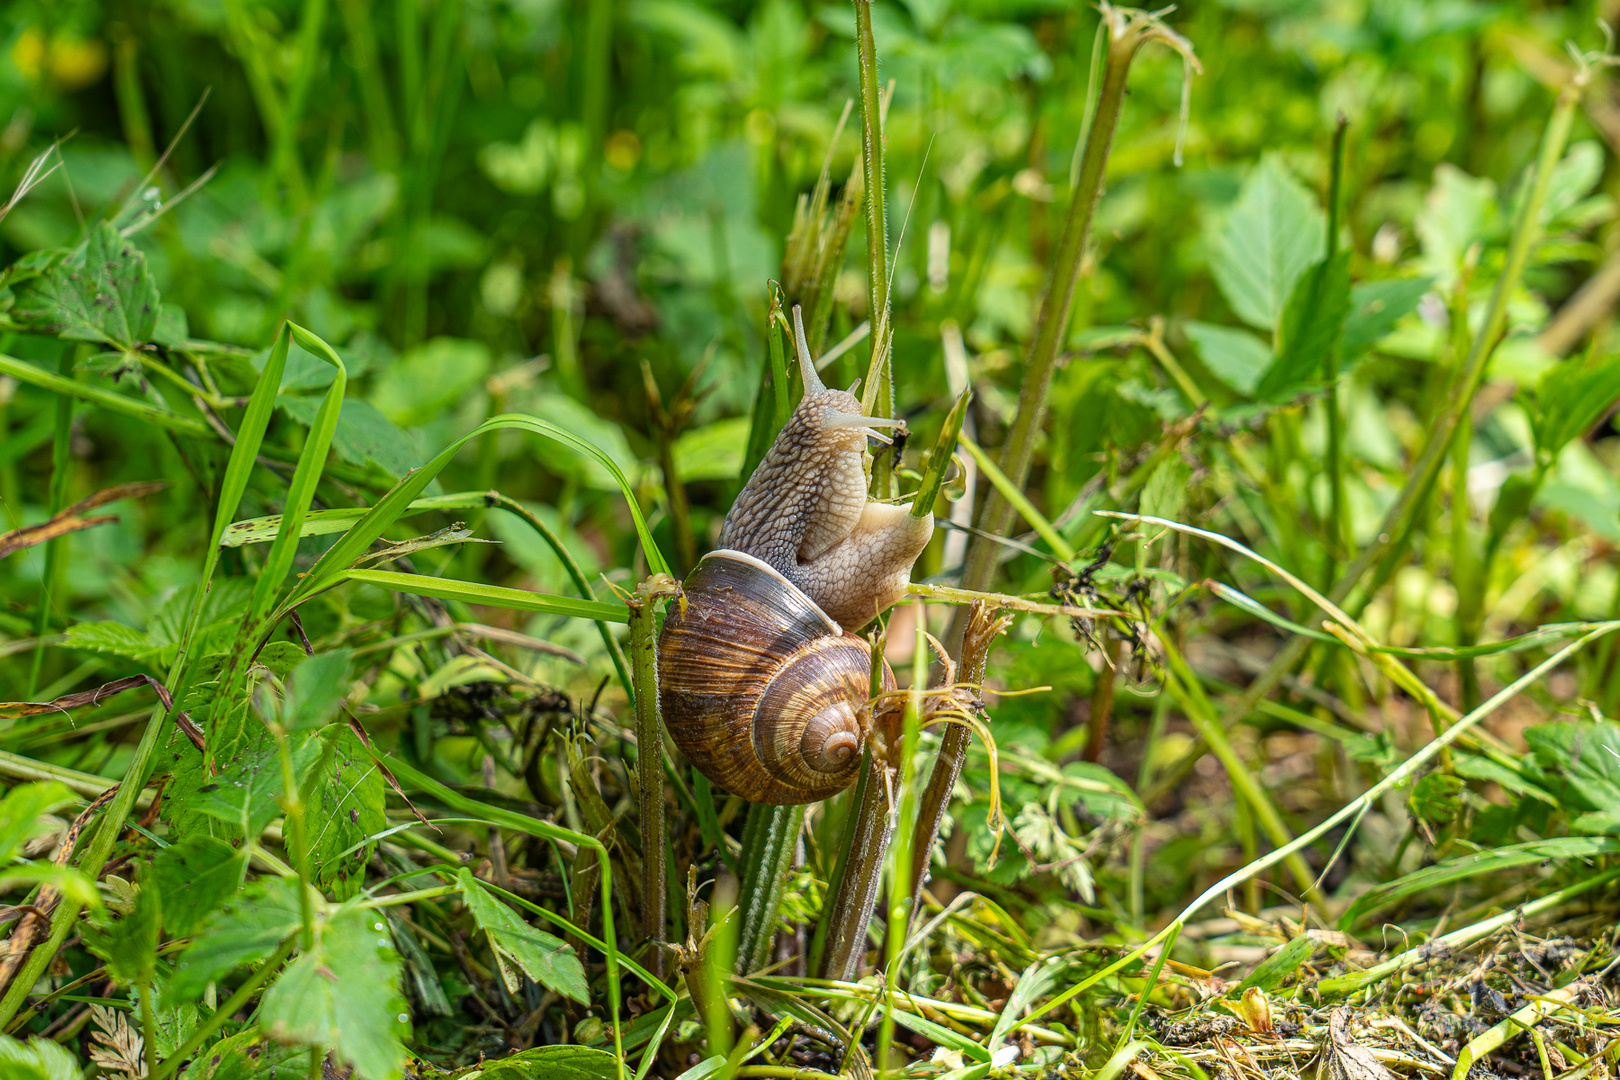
762,691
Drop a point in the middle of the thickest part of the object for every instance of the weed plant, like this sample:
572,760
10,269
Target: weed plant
370,373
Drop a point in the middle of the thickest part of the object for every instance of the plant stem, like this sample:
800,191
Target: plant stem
1127,32
878,396
902,857
650,759
770,837
1338,530
855,884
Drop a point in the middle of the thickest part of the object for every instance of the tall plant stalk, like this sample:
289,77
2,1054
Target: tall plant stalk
650,759
1127,31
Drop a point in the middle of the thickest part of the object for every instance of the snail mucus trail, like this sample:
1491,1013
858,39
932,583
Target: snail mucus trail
762,682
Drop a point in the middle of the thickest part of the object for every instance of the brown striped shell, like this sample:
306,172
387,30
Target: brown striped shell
762,692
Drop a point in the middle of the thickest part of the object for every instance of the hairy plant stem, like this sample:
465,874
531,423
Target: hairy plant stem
901,897
770,837
841,936
1128,31
650,760
878,395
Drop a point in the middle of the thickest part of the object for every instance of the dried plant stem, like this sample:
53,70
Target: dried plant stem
650,758
1128,31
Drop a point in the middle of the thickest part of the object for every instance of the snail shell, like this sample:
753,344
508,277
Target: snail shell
763,693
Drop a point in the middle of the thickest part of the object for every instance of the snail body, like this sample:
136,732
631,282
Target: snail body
762,683
759,688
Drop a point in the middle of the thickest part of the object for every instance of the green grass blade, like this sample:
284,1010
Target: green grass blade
473,592
392,506
1489,861
305,478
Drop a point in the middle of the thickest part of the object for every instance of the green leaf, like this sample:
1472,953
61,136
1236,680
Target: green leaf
172,329
247,1055
429,379
246,931
1272,234
101,292
1311,326
1236,357
363,436
1570,398
713,451
1458,211
344,803
110,637
195,877
1490,861
1585,757
1375,308
314,690
37,1059
543,957
21,810
129,943
343,995
548,1063
1437,798
1275,969
1513,501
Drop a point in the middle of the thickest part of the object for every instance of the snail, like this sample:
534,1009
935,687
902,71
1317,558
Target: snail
762,682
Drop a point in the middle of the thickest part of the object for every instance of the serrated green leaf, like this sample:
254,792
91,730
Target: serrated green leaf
1272,234
129,944
37,1059
1584,759
363,436
245,931
195,877
102,292
343,995
543,957
344,803
1570,398
247,1055
110,637
549,1063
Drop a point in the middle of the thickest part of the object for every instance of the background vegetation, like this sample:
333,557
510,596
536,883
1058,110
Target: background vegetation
1393,379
